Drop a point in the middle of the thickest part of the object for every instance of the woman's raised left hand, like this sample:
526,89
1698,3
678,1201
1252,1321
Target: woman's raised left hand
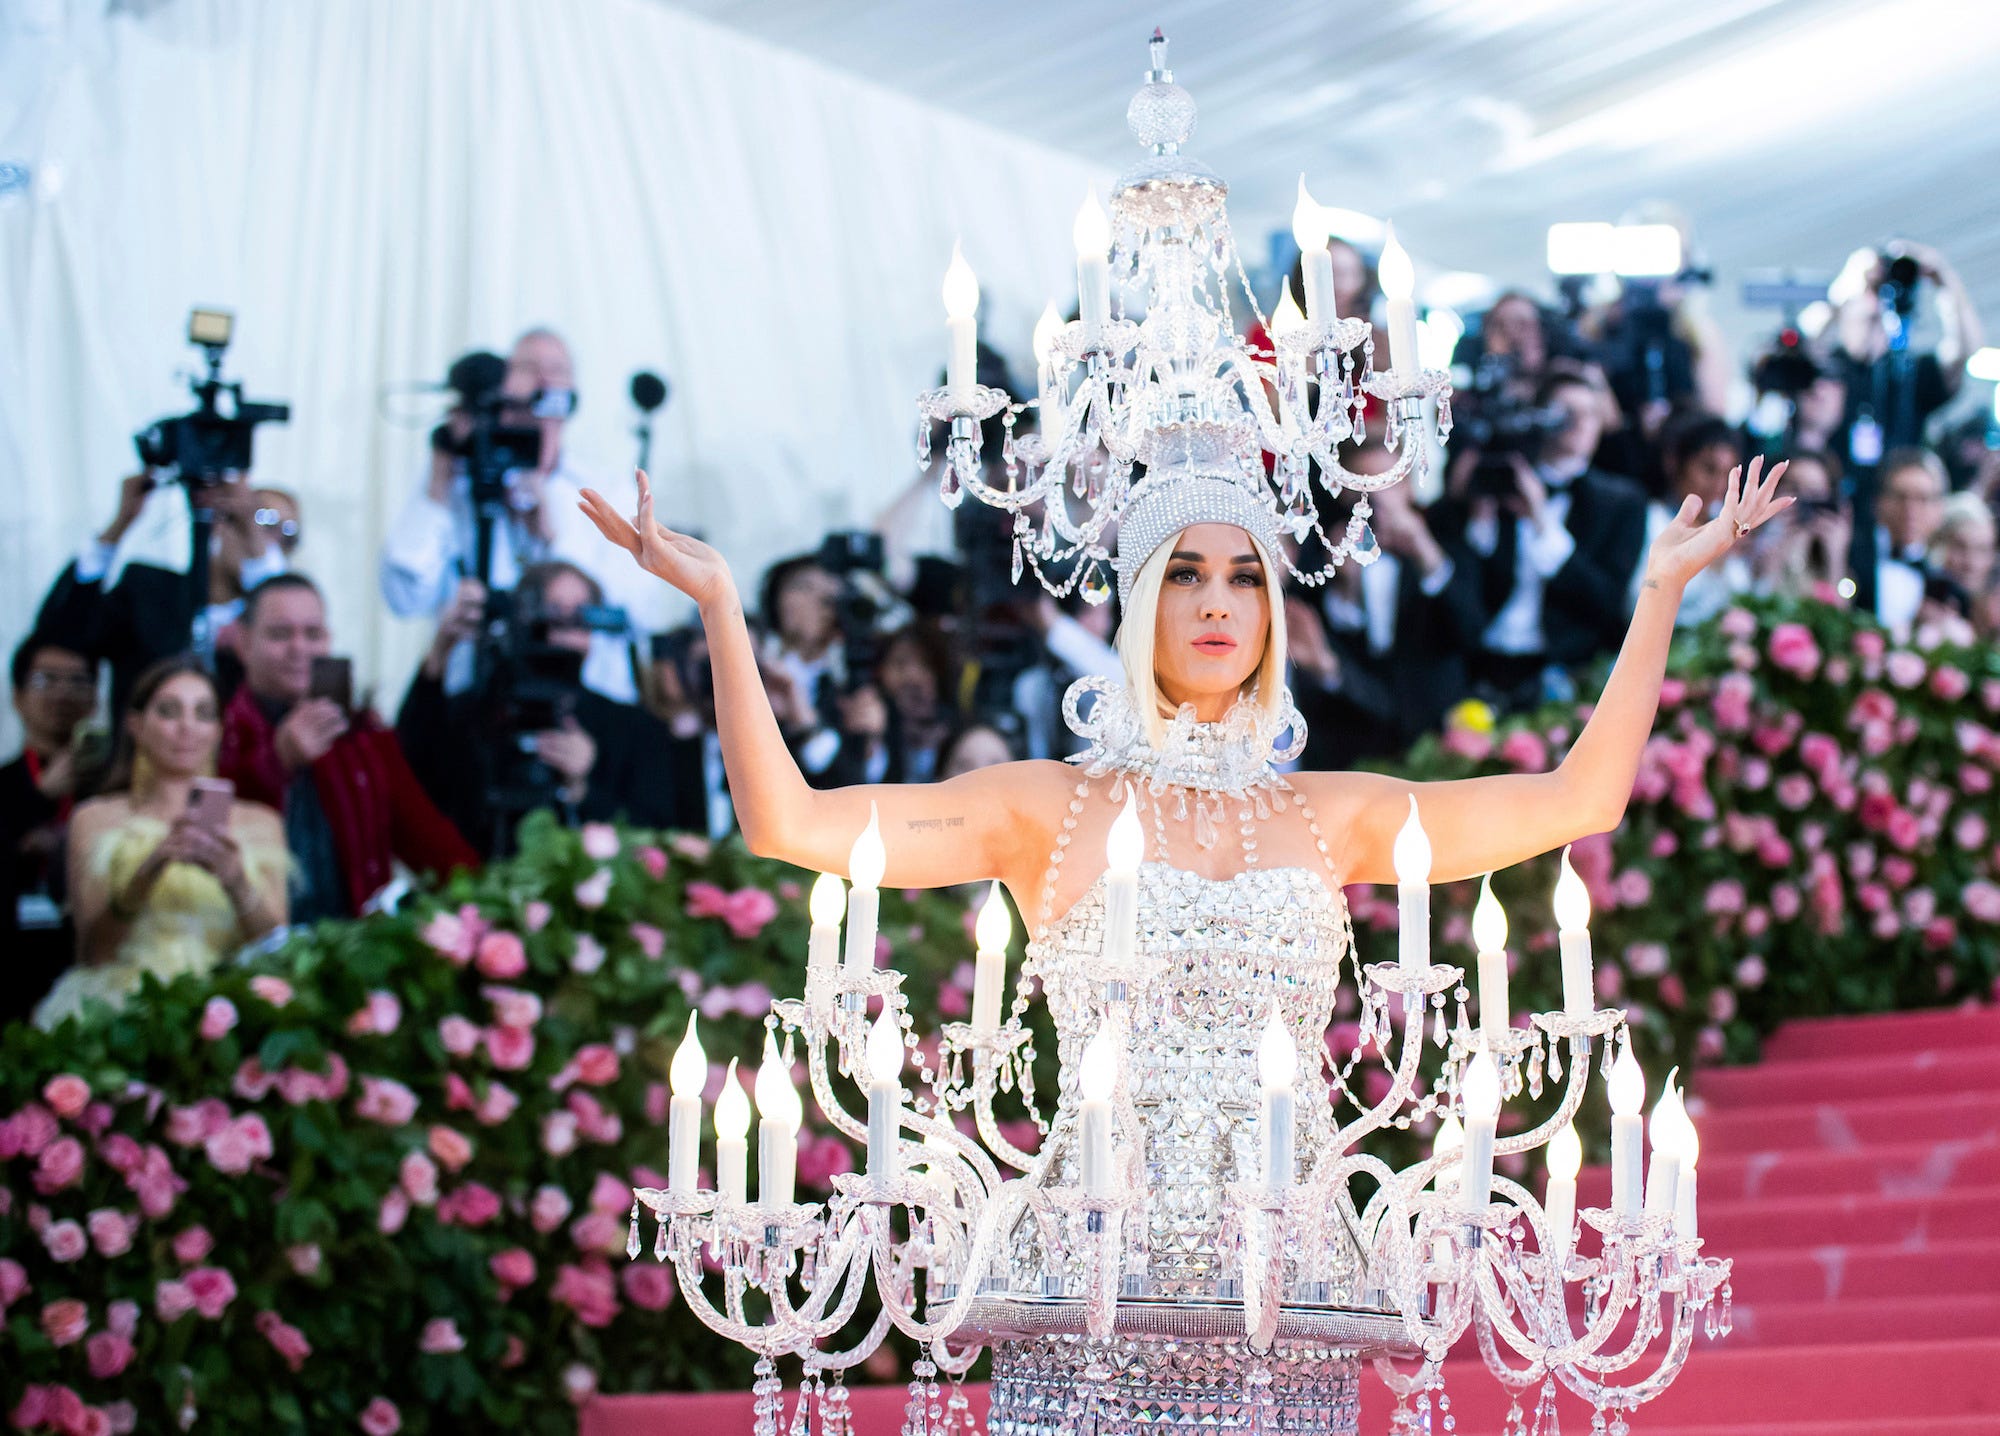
1687,546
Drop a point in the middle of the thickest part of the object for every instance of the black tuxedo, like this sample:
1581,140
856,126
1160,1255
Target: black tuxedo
1585,605
30,958
146,616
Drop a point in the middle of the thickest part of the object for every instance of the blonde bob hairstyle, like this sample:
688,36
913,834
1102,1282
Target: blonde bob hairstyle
1136,637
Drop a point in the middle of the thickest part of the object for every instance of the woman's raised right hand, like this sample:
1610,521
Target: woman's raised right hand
687,563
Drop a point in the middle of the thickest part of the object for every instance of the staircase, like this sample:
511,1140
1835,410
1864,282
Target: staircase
1854,1177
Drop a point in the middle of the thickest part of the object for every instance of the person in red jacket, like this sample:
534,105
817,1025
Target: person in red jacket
350,802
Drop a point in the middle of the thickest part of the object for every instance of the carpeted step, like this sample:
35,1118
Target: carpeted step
1855,1076
1895,1386
1884,1032
1935,1426
1820,1323
1847,1125
1946,1273
1776,1223
1911,1169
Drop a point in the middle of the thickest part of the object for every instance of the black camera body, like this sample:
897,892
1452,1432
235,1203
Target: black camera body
494,443
532,685
216,437
1501,425
1900,278
855,557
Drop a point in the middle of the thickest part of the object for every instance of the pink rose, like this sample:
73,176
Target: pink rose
381,1418
287,1340
218,1018
458,1036
193,1245
648,1285
559,1133
654,861
109,1354
252,1083
513,1007
212,1289
455,936
596,1065
1634,888
595,890
305,1258
419,1177
588,1289
65,1240
495,1105
600,841
1950,683
515,1353
65,1321
1939,934
440,1337
172,1300
1905,669
1467,743
651,940
385,1100
59,1166
501,956
67,1093
593,1121
273,990
694,849
1673,992
1904,830
1524,751
379,1016
1793,648
393,1213
514,1267
509,1048
450,1147
472,1205
1737,623
820,1158
579,1383
548,1209
536,914
1869,645
111,1231
1750,973
14,1283
589,955
1731,703
1981,900
238,1146
122,1154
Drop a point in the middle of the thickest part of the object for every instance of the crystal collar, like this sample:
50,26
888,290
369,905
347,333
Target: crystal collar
1230,756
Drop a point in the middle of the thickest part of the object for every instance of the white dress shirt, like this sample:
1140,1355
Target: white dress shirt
1540,551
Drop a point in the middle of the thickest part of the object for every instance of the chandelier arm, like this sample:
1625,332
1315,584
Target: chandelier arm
854,1355
1586,1353
730,1327
823,1094
985,1176
1334,476
1607,1396
811,1321
1484,1330
985,1086
1642,1337
1538,1137
1400,1091
952,1364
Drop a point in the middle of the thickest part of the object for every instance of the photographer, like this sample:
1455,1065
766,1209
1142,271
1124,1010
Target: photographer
55,692
538,737
1962,553
1909,506
351,805
1806,551
1698,452
524,408
128,597
1556,541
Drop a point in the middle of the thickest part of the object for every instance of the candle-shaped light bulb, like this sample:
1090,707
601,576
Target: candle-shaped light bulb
1412,857
732,1125
1572,898
865,862
685,1076
1684,1199
828,900
1573,935
1489,935
689,1069
1286,316
1399,281
1565,1160
885,1048
732,1107
1627,1084
867,858
1125,845
1690,1141
1489,919
994,927
1309,223
961,287
1479,1090
1092,230
1449,1137
1398,277
1277,1053
1628,1133
1047,328
1096,1079
777,1098
1664,1175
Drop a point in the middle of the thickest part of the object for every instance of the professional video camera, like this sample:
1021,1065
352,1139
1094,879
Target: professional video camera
214,439
1495,419
532,684
1900,276
860,609
1646,362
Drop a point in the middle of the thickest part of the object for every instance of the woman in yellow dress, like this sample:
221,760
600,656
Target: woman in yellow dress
153,889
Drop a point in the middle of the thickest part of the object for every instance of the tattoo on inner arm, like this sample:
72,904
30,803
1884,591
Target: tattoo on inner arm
936,824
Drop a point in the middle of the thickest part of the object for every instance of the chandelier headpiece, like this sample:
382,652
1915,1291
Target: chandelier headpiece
1163,391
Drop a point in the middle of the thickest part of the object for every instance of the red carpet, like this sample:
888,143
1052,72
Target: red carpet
1855,1178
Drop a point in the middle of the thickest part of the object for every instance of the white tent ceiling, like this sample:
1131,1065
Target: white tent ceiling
1790,131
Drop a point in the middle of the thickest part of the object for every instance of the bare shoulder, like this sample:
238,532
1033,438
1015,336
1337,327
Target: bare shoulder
1026,786
93,815
1342,795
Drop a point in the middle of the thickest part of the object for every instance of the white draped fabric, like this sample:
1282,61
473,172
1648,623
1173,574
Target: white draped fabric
377,185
